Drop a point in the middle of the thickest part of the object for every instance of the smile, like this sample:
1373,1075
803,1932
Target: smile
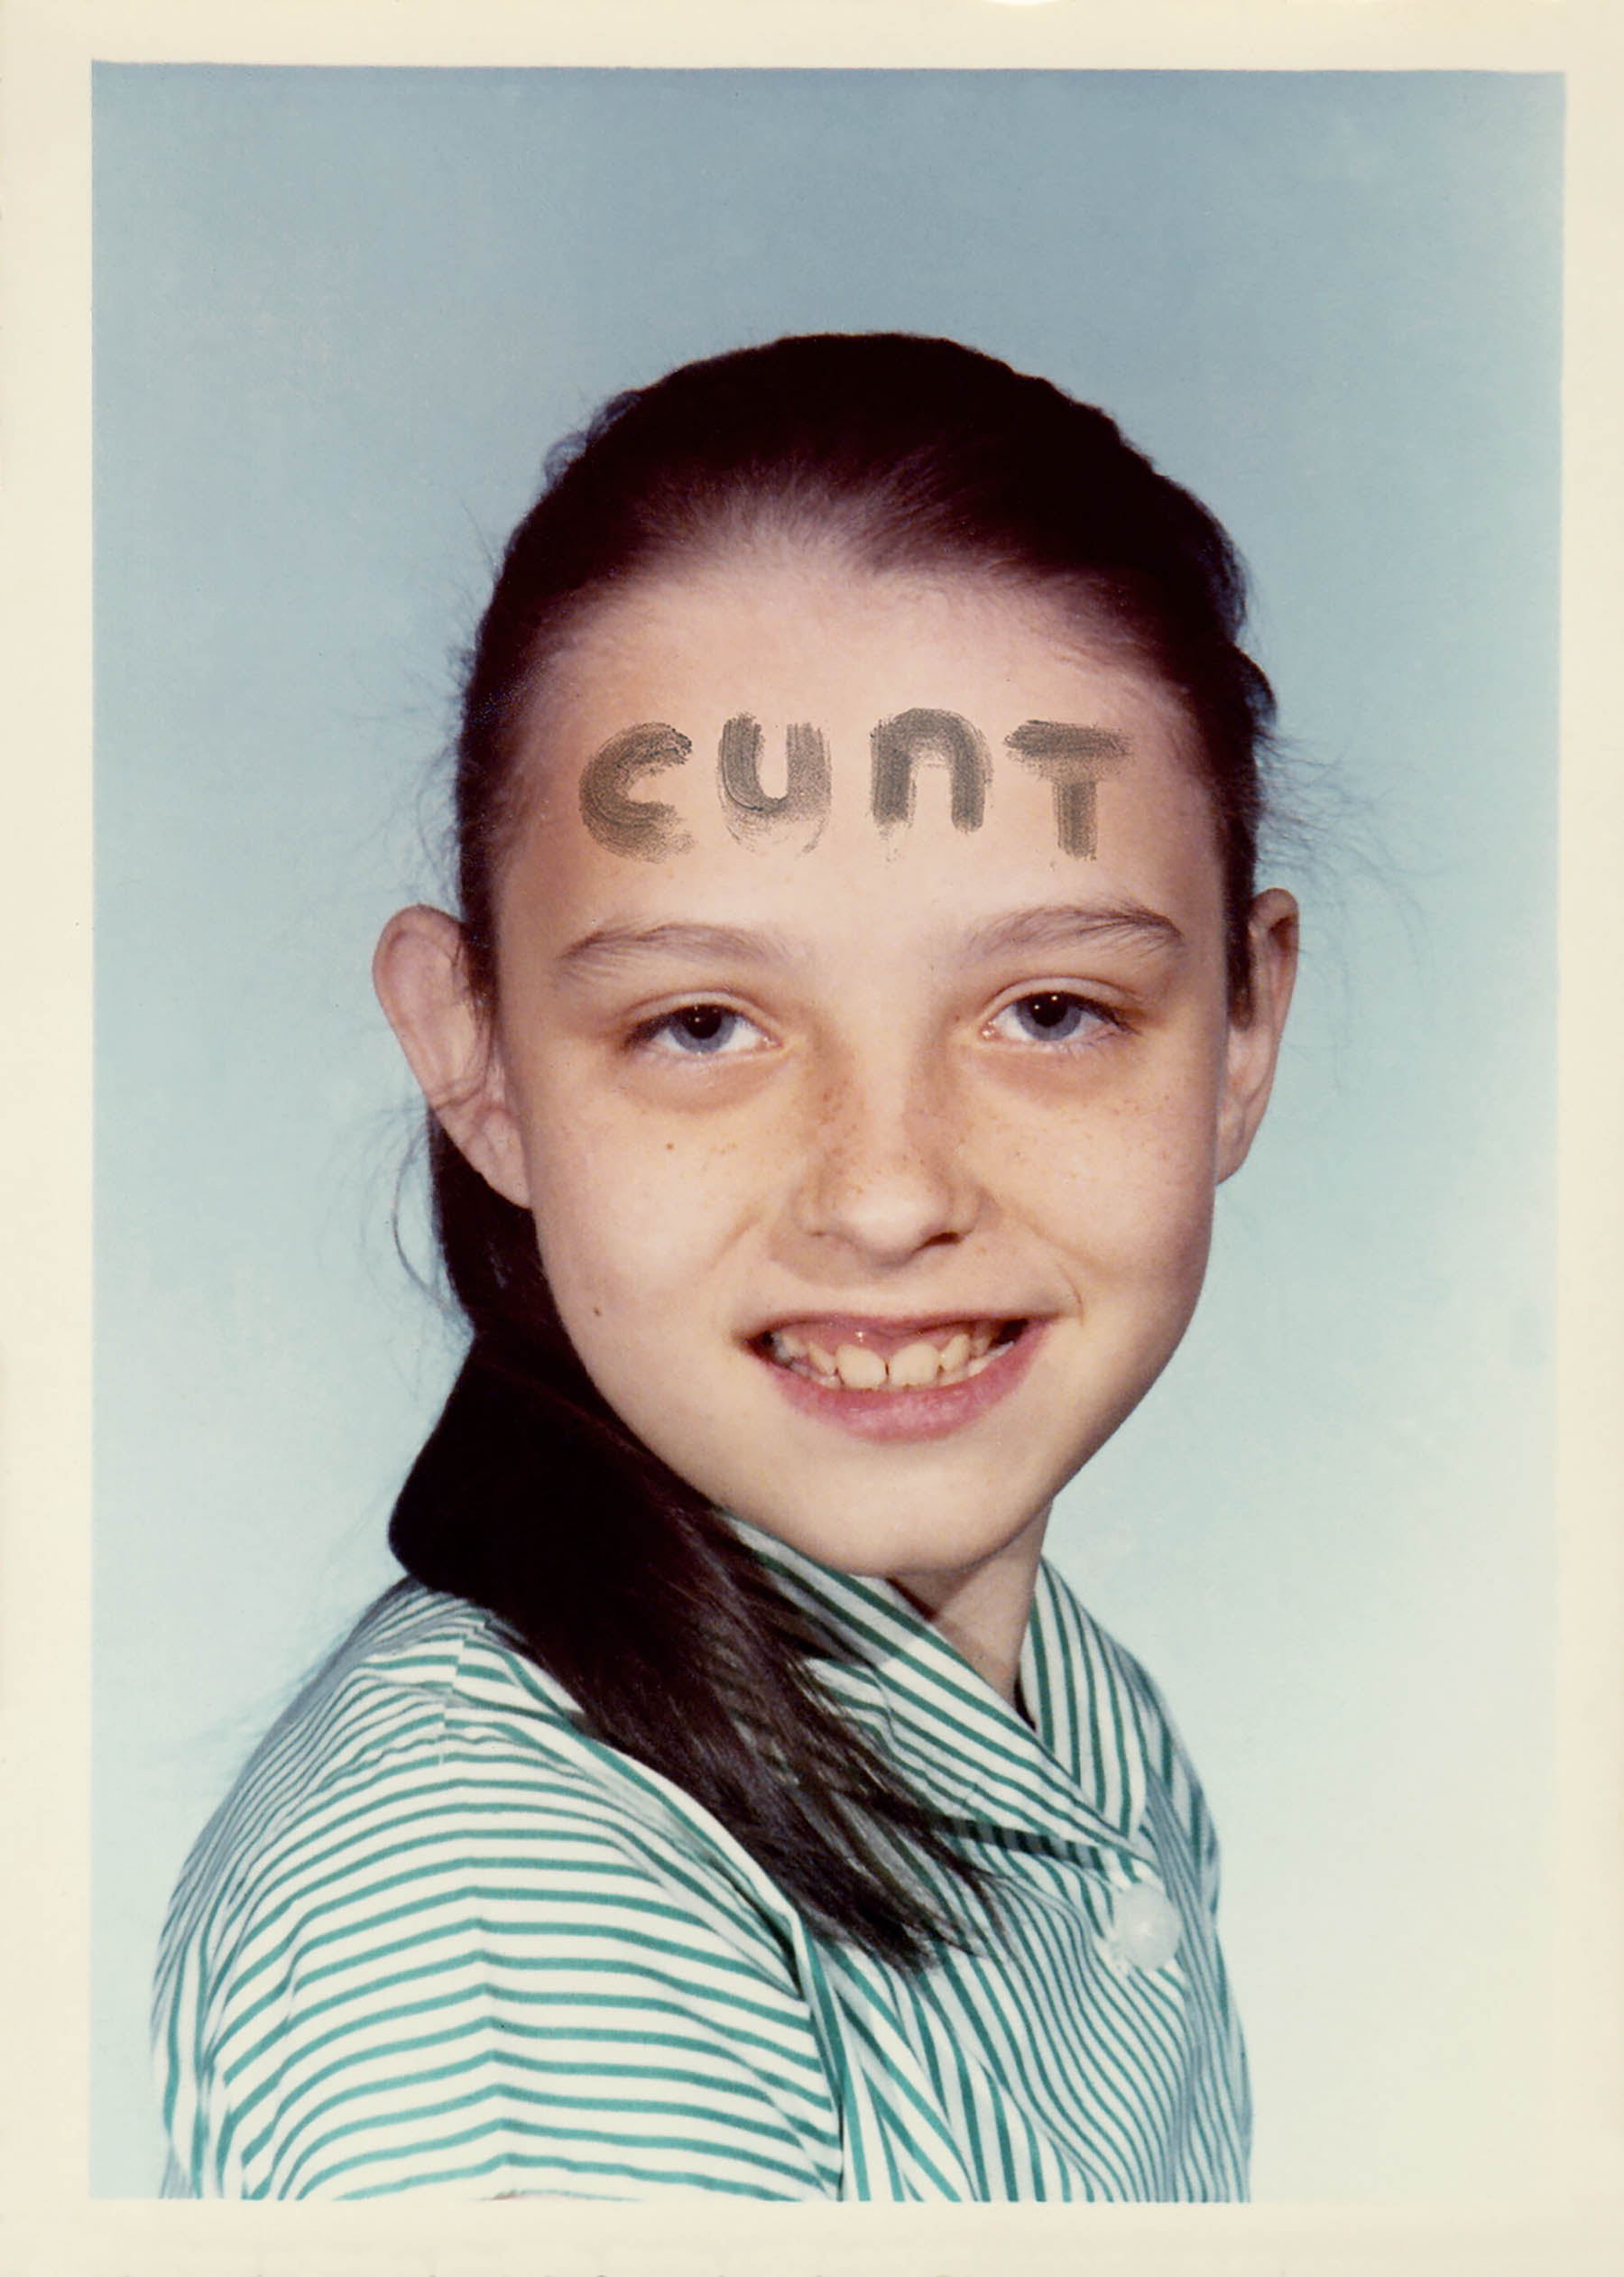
895,1381
895,1359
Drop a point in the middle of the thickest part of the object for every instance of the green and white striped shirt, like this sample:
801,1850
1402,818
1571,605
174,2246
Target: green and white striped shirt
438,1940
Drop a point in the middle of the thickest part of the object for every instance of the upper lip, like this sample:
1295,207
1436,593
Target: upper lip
881,1330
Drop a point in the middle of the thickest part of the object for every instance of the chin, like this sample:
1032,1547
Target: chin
886,1540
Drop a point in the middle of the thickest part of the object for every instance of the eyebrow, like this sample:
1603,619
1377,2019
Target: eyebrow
1061,922
610,947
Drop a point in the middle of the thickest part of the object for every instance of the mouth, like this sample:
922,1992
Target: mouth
894,1380
869,1355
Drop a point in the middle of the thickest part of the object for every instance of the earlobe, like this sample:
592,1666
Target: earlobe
419,972
1254,1041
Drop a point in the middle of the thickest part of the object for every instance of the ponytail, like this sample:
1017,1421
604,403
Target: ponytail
532,1499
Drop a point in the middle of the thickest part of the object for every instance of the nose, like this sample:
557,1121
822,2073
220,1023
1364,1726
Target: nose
886,1171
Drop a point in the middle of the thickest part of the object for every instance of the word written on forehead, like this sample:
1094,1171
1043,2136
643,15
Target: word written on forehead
1070,758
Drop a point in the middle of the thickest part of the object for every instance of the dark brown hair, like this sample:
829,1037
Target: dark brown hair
531,1497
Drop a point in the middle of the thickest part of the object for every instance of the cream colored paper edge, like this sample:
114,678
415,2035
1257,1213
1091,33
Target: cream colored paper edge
48,2223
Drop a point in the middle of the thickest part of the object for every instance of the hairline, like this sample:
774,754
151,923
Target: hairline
836,530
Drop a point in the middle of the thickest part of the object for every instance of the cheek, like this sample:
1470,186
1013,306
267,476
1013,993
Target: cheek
1126,1188
628,1216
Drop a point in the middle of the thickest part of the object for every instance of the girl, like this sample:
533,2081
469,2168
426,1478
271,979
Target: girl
859,990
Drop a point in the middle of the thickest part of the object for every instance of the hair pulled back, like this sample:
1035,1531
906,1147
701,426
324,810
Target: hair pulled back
532,1498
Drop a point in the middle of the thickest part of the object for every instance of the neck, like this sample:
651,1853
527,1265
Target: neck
982,1610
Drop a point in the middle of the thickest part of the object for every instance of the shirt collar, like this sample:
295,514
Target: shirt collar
1074,1775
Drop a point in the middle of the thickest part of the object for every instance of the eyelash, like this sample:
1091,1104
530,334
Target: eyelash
648,1034
661,1033
1098,1015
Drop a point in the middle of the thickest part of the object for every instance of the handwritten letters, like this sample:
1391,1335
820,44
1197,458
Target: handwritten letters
1069,757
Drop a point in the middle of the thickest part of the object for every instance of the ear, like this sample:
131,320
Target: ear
420,971
1254,1037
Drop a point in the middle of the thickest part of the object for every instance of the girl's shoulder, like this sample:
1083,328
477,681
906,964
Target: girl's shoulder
430,1891
418,1676
427,1743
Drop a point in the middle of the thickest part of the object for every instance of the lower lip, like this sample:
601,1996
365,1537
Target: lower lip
930,1412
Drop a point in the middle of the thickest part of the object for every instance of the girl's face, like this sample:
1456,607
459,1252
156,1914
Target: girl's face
874,1179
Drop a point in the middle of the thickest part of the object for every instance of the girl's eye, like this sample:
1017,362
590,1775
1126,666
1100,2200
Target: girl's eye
699,1031
1053,1015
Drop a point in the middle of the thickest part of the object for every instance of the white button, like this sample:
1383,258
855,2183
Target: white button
1144,1926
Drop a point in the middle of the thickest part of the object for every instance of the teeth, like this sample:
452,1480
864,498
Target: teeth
915,1366
860,1370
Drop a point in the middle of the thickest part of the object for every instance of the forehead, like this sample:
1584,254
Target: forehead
788,642
806,621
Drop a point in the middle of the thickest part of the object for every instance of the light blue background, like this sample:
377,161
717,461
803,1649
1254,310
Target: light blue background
340,317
